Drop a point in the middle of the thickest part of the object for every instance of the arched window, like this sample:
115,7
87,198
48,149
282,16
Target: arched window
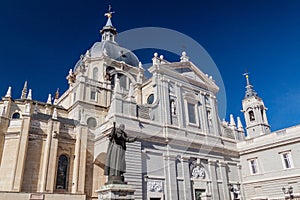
16,115
95,73
62,172
251,115
262,113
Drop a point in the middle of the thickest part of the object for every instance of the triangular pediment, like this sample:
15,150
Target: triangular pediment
194,75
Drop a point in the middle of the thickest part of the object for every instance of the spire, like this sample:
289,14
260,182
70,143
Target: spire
250,92
29,96
108,32
239,124
49,99
24,91
232,122
8,93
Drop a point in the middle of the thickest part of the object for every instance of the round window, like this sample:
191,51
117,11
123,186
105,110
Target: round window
16,115
91,122
150,99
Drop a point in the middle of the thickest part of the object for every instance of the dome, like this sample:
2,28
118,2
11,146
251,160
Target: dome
114,51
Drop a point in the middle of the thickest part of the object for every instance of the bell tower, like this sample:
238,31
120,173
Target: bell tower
254,112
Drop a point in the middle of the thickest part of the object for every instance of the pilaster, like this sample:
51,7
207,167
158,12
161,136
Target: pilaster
187,178
213,176
52,164
171,179
204,114
80,160
4,122
21,155
222,166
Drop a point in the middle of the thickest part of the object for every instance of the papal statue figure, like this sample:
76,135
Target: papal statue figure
115,165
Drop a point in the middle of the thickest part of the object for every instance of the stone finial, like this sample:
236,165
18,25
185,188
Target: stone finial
8,93
56,97
232,122
224,122
54,114
70,72
155,59
49,99
184,57
239,124
29,96
24,91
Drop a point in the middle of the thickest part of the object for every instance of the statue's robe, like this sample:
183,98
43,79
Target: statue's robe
115,156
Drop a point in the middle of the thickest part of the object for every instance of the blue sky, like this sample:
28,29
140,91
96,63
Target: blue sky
41,40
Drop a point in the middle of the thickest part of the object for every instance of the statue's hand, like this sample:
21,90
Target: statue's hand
137,138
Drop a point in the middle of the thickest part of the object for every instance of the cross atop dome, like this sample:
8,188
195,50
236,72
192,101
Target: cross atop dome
108,31
109,13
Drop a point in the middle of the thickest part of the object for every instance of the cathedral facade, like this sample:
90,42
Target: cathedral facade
57,149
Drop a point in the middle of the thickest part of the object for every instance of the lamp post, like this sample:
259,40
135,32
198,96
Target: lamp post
288,191
235,189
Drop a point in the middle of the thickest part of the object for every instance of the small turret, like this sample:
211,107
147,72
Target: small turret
254,112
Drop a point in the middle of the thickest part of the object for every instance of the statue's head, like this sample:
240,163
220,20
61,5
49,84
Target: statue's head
122,127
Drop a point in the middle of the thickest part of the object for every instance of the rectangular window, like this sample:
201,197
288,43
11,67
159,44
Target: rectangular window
191,112
253,166
93,95
286,160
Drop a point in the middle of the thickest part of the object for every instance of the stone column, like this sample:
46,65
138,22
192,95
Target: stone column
187,178
213,176
224,179
21,155
171,179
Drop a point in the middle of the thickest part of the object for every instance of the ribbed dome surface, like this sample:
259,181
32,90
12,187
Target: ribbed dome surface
114,51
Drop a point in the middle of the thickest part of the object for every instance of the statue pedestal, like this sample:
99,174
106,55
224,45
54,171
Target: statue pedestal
116,191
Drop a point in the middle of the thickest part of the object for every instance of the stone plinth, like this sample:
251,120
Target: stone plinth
116,191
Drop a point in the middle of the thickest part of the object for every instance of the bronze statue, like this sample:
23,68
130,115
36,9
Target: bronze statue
115,165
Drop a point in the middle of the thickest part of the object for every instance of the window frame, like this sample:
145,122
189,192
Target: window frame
255,162
66,181
286,160
92,90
